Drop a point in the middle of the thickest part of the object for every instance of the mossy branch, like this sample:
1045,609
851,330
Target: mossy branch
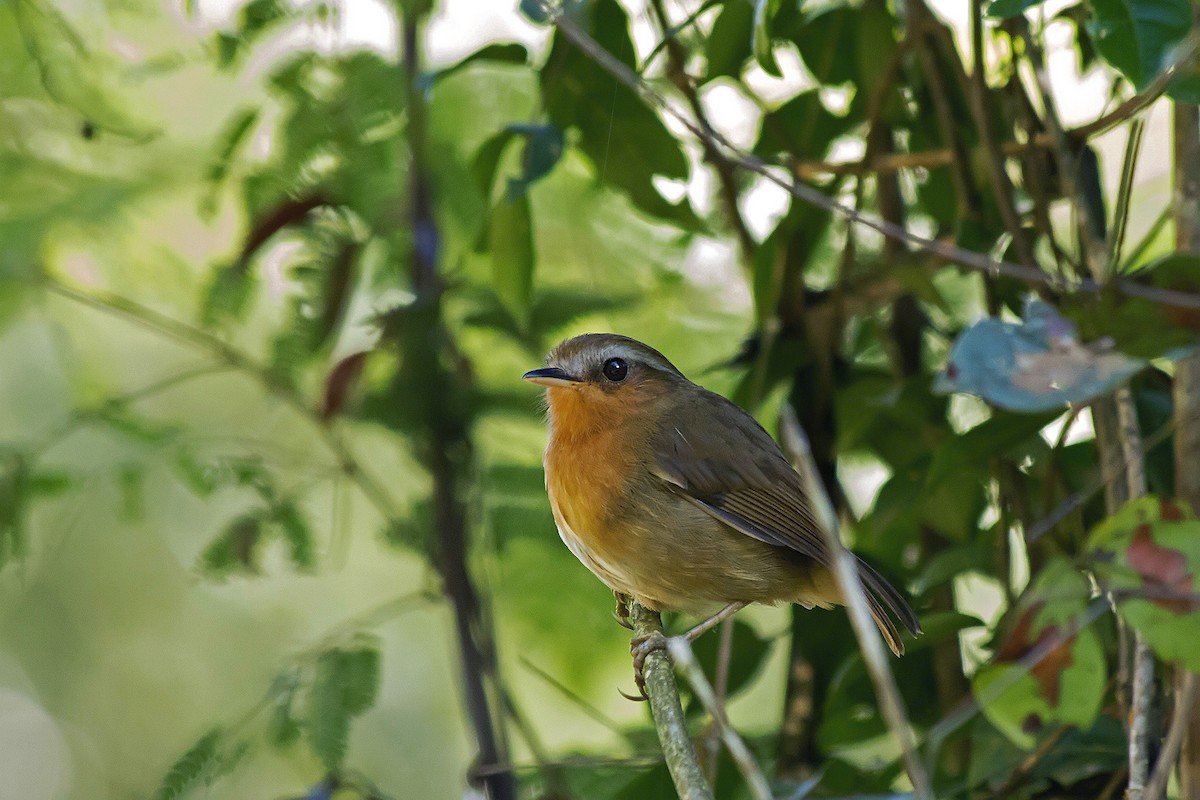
669,721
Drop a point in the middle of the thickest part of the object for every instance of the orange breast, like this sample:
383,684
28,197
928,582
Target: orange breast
589,462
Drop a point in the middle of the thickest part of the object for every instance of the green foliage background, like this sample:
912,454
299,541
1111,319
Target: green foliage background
265,297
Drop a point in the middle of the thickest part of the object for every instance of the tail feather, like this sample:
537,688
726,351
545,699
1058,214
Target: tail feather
881,593
886,627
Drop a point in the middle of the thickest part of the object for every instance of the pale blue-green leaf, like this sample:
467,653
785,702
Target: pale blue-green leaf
1038,365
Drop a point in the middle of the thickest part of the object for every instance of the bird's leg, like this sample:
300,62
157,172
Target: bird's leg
621,612
715,620
642,646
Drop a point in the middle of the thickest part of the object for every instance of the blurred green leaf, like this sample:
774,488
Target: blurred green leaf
1009,8
344,684
291,523
1065,683
626,142
14,497
1137,36
237,131
199,766
228,295
75,75
235,548
510,239
328,720
131,482
748,653
761,46
729,43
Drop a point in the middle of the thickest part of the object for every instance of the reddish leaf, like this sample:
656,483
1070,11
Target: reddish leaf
1164,570
339,383
1170,511
1050,667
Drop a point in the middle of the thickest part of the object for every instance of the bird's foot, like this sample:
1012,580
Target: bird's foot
621,612
639,648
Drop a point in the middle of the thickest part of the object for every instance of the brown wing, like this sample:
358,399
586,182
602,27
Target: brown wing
738,474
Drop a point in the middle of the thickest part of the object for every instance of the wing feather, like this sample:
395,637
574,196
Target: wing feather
739,476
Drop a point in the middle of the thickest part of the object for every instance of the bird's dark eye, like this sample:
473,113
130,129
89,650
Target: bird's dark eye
615,369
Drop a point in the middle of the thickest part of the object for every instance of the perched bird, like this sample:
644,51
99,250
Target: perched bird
675,497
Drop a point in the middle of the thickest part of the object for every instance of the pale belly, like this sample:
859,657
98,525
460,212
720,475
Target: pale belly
698,567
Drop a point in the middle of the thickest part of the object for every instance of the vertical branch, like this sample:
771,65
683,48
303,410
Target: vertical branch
1187,397
665,707
447,451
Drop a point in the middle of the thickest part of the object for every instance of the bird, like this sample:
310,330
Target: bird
675,497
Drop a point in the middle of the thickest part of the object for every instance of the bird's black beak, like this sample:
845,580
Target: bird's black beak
549,376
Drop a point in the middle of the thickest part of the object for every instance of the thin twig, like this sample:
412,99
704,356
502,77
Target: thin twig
669,721
973,260
712,744
1181,719
891,704
685,659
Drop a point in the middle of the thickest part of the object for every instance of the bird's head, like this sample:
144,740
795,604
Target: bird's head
599,377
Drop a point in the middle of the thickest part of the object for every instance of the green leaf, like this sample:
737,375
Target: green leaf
198,766
761,45
801,125
828,43
1138,36
328,718
14,499
131,481
75,76
501,52
1065,685
360,677
727,47
228,295
627,142
229,144
283,729
235,549
747,656
999,9
296,532
344,684
510,239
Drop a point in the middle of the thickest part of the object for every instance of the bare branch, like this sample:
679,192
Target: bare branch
1027,273
891,704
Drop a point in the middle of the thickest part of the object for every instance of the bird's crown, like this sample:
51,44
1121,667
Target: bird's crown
586,357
